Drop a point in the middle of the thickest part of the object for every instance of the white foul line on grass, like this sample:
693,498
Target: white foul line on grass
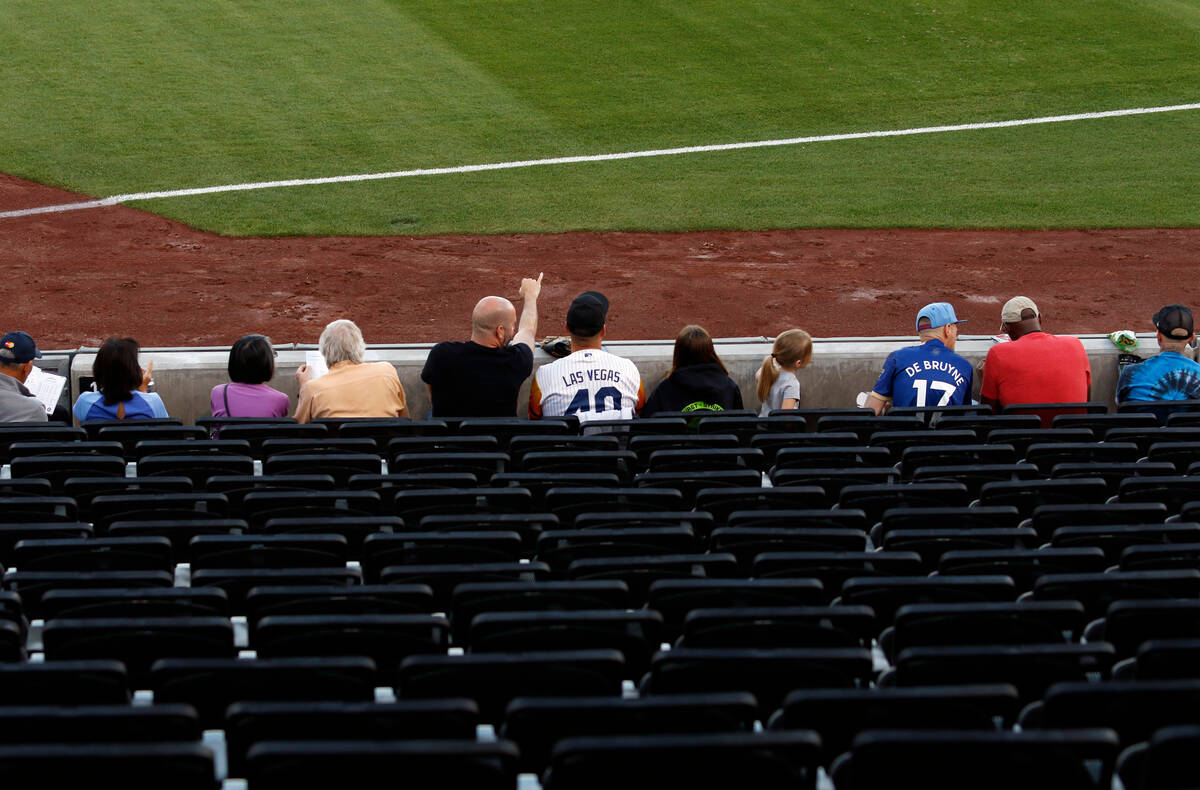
568,160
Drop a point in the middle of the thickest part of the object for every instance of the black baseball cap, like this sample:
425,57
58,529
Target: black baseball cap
587,314
1174,321
18,347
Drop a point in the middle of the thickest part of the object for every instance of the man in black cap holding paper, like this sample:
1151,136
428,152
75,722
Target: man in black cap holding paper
1170,374
17,404
589,383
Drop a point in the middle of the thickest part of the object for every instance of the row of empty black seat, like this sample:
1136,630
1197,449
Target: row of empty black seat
1069,609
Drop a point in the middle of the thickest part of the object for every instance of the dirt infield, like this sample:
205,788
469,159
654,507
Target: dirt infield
74,278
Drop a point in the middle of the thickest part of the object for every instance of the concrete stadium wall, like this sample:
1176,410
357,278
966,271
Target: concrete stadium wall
841,368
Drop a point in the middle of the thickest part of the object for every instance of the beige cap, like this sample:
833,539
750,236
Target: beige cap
1011,312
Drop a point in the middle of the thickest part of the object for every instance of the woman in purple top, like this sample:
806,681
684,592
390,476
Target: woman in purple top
251,366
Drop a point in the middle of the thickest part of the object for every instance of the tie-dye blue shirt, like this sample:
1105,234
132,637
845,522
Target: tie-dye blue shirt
1165,376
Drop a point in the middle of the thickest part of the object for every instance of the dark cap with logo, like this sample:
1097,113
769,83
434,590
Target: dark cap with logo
17,348
587,314
1174,321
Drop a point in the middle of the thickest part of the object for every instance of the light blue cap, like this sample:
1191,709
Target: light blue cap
937,314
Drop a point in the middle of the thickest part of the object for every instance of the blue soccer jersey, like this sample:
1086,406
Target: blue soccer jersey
926,375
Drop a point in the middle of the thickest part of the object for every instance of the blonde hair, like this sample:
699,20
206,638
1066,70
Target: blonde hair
791,347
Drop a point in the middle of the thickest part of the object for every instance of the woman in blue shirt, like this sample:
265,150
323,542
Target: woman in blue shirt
124,387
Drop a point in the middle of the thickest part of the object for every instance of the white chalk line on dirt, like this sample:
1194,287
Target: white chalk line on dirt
569,160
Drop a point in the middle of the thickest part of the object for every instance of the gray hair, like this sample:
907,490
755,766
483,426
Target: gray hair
342,341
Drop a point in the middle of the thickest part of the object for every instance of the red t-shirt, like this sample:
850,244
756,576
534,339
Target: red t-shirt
1037,368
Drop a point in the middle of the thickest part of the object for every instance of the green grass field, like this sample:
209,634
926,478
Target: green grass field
135,95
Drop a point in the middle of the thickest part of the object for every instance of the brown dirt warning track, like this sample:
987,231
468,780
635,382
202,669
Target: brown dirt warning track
74,278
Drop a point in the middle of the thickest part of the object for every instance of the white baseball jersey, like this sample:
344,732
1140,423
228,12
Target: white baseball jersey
592,384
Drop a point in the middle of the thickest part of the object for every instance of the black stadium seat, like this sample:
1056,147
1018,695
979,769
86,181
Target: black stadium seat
1111,473
721,502
94,554
527,525
1135,709
774,760
178,532
874,500
978,517
538,483
1129,624
819,518
432,548
1023,566
537,724
1022,438
238,582
840,714
11,534
93,427
108,508
376,764
482,465
473,598
640,572
1097,590
886,594
211,685
569,501
833,480
767,674
319,600
137,766
559,548
973,476
98,724
414,504
1030,668
1047,518
138,641
769,627
92,682
1026,495
621,463
645,445
689,483
258,507
675,598
58,468
354,529
931,544
129,434
953,759
833,568
1162,659
1008,623
1114,539
635,634
149,602
340,466
443,578
1167,761
32,585
250,723
746,543
384,430
85,489
267,551
493,680
258,432
387,639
